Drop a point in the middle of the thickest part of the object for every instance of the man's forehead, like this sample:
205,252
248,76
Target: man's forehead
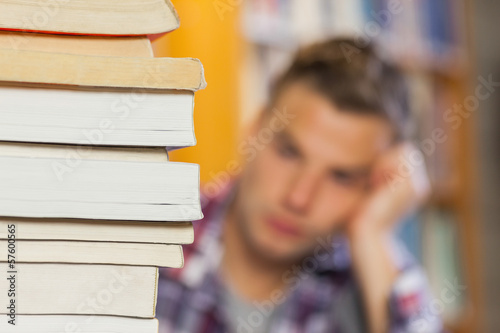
339,137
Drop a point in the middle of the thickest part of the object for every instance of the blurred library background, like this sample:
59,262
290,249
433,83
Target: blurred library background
448,48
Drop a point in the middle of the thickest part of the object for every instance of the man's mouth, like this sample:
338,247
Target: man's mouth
283,226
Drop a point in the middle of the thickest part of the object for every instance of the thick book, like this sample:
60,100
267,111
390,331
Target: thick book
101,71
110,190
78,323
73,155
110,117
89,17
98,230
139,46
80,289
76,252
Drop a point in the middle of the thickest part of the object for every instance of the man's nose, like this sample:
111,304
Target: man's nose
302,190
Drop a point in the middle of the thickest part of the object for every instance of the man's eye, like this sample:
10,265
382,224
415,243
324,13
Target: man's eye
343,178
287,151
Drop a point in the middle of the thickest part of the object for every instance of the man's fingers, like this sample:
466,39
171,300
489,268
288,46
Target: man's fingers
402,166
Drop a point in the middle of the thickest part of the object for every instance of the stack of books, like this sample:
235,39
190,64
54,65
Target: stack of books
90,206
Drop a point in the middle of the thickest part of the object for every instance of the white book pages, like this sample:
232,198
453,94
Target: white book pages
82,324
74,252
98,230
125,117
72,154
81,289
115,190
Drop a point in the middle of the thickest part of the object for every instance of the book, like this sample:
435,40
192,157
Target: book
82,324
86,116
82,289
77,252
72,155
114,190
410,233
441,259
99,230
101,71
90,17
139,46
348,18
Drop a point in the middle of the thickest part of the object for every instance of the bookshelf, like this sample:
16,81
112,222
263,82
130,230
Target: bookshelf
429,40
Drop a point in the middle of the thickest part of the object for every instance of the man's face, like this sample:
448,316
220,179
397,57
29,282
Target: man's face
310,179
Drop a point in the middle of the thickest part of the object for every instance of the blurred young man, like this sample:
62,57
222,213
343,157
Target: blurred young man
302,241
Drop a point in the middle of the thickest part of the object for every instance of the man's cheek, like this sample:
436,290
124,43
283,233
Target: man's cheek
325,224
269,186
265,168
332,212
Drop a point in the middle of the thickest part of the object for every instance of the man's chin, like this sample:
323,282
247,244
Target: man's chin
271,247
277,253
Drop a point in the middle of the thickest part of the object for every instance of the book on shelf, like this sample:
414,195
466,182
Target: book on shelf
409,232
441,258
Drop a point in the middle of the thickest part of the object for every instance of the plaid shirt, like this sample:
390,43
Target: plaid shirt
322,297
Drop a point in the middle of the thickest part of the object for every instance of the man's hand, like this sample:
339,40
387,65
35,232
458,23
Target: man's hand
398,184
